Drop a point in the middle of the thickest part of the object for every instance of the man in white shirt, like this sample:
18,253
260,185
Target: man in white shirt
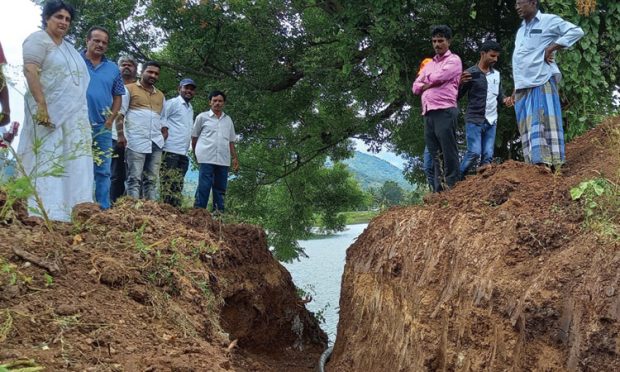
174,163
144,133
213,143
536,75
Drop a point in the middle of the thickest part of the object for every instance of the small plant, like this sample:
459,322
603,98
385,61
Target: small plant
320,314
49,280
10,275
139,242
601,202
588,190
6,325
22,365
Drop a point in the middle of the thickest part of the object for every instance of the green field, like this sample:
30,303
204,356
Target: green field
356,217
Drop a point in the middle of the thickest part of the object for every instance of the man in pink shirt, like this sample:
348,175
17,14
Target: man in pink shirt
438,84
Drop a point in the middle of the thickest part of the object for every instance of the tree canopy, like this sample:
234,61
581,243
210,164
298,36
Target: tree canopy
305,76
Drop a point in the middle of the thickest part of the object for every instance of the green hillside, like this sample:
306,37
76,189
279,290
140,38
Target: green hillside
370,171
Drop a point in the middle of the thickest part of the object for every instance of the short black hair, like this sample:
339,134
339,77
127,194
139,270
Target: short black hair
53,6
442,31
491,45
89,34
150,63
216,93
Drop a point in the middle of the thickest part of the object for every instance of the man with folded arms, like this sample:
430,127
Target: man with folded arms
438,85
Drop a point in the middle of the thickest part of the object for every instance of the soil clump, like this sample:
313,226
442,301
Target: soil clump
503,272
144,287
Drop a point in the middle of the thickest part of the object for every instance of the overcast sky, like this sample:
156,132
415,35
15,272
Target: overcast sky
20,18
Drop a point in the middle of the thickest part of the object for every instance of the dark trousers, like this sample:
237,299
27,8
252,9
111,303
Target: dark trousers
211,176
171,176
118,174
440,137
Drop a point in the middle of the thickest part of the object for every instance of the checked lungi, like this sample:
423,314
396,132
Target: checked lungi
539,118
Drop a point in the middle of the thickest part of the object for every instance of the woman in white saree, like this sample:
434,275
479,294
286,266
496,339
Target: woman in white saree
55,145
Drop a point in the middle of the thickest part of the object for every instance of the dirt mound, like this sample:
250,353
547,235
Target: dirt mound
497,274
144,287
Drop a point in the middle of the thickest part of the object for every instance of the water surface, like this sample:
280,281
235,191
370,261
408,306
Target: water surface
320,274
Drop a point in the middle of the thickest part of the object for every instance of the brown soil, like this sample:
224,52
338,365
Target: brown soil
498,274
144,287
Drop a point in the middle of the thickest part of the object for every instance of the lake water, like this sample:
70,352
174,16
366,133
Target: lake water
320,274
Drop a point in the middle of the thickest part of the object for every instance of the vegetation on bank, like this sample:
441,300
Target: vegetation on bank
358,217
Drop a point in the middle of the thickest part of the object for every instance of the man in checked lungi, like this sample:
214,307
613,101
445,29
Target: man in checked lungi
536,75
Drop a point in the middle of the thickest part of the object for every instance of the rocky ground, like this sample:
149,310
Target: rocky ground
504,272
143,287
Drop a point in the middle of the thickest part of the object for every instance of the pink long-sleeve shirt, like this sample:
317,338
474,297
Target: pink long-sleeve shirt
443,74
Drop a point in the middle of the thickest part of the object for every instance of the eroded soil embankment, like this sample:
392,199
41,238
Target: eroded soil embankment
145,287
499,273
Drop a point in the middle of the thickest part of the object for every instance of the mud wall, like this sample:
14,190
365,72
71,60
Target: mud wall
497,274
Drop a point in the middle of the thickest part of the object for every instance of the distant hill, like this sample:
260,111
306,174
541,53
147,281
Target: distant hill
370,171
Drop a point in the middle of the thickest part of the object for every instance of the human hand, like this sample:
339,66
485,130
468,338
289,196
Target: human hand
164,132
43,118
509,101
465,77
108,122
121,142
550,53
235,165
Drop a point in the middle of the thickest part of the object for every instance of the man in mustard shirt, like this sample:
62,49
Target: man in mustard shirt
144,132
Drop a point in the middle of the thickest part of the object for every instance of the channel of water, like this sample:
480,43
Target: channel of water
320,274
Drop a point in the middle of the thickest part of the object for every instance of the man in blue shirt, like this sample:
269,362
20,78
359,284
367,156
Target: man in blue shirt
536,75
104,101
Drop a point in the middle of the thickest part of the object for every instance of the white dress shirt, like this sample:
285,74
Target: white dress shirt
214,137
180,120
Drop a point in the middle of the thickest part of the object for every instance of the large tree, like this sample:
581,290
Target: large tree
303,77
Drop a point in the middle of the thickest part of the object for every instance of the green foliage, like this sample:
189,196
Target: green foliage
601,203
357,217
287,209
49,280
10,274
139,241
391,193
591,72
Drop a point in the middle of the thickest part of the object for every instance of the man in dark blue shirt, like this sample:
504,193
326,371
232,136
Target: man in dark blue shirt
104,101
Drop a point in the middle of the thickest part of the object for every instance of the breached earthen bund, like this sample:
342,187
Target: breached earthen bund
497,274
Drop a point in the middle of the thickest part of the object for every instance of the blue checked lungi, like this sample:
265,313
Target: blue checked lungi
539,118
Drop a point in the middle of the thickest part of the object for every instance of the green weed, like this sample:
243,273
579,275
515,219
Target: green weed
601,202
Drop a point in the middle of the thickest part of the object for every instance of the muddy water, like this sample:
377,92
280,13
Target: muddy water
321,272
